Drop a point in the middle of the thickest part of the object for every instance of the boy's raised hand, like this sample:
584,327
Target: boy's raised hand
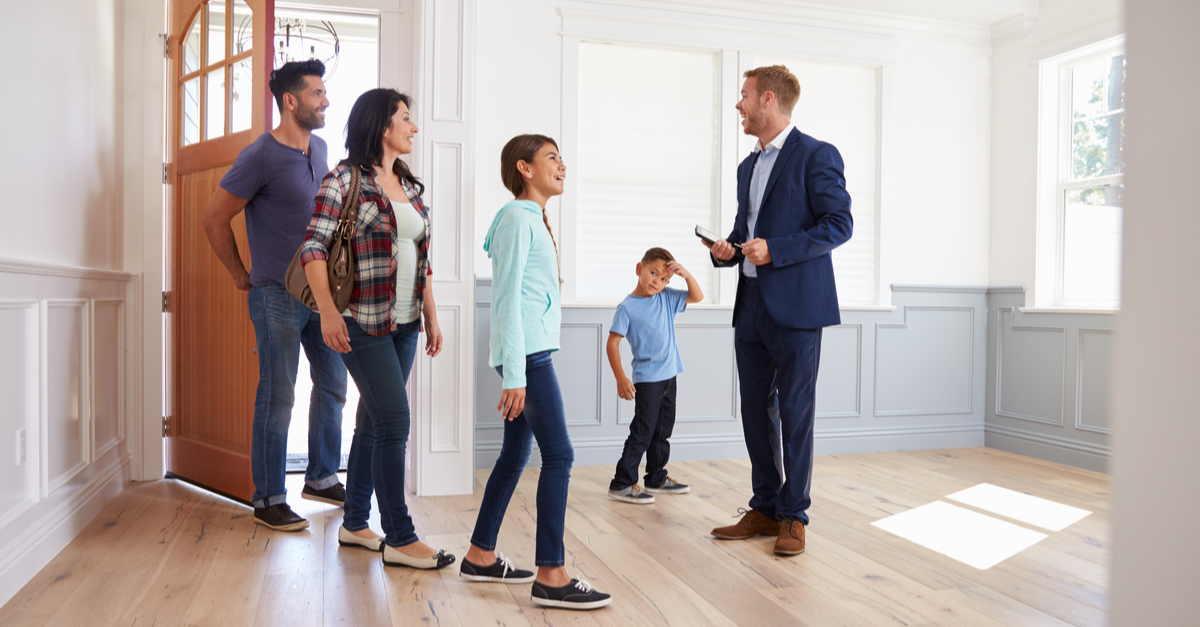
675,268
625,388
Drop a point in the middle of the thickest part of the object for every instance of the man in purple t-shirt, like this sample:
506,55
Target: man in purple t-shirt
275,180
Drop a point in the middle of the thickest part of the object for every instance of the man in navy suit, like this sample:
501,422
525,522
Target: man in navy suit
793,209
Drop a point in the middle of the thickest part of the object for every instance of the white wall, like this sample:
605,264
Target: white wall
518,82
1061,26
937,231
85,82
1155,510
940,163
61,131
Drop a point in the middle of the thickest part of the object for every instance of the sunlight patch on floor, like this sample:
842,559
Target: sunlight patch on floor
1019,506
970,537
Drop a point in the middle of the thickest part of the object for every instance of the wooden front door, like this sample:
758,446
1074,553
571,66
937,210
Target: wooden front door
219,58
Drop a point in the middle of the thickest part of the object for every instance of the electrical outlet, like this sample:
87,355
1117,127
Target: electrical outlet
20,446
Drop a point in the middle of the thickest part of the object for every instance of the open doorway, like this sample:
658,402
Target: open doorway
355,70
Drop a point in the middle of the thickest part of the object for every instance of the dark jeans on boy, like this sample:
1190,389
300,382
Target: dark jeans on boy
649,433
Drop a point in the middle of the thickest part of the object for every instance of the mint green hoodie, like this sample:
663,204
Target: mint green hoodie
526,310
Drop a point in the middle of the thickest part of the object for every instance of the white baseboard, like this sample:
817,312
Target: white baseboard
601,451
31,550
1048,447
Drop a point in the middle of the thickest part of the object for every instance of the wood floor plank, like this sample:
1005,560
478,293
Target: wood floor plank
119,580
230,592
293,589
174,587
39,599
167,553
354,592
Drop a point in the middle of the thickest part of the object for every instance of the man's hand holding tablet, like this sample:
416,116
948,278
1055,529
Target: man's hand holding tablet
720,248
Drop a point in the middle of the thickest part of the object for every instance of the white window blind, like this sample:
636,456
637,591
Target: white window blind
839,104
648,164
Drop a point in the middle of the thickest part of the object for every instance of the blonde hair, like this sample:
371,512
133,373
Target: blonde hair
780,81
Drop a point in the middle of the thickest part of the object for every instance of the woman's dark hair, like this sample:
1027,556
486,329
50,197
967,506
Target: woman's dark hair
370,116
524,148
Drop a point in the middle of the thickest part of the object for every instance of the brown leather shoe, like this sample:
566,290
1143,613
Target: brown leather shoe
791,538
752,524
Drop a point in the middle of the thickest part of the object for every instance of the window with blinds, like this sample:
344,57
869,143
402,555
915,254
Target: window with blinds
839,104
648,167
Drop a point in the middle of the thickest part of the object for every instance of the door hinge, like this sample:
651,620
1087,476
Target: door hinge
166,39
166,303
166,425
166,169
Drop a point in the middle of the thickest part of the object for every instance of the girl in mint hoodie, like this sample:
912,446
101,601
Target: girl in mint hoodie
525,327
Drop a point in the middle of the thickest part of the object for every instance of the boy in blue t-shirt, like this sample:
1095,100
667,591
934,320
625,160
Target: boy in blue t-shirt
647,319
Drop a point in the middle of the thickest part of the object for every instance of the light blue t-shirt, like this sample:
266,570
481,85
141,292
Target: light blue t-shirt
649,325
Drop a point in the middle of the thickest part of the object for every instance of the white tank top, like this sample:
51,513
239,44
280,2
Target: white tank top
410,232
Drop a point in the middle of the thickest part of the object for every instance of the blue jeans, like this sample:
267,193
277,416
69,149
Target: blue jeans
777,375
649,433
544,419
380,366
282,325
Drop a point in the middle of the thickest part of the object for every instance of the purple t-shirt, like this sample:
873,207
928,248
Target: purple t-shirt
281,184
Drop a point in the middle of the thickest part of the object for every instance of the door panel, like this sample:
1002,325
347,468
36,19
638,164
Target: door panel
214,365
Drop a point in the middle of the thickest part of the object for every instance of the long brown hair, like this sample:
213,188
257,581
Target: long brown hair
523,148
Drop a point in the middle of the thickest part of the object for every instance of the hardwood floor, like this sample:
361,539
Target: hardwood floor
165,553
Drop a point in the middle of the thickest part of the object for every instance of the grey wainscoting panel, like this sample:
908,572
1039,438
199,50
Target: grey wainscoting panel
943,338
707,390
1048,381
925,365
578,366
1095,364
1031,364
839,380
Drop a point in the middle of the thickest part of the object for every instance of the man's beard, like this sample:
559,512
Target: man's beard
308,119
754,123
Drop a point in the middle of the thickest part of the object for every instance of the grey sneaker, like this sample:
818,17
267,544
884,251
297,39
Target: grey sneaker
670,486
632,494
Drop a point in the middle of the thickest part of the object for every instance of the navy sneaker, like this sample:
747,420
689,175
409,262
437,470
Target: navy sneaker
632,494
577,595
670,486
502,571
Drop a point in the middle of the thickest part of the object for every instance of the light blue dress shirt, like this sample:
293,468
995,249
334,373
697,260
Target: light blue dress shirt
758,185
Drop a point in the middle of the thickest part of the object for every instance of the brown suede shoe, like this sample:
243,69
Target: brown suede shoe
752,524
791,538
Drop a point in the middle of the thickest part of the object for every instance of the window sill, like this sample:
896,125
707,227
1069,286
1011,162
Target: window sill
1067,310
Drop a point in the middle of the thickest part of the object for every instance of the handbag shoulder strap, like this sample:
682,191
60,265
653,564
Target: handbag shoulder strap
350,206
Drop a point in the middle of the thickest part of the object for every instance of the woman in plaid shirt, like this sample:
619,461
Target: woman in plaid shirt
377,334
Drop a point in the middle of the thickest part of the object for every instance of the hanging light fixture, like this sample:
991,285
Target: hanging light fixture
299,39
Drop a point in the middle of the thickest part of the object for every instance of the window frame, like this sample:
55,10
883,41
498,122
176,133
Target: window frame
1055,121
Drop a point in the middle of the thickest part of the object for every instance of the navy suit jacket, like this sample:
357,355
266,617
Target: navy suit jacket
805,214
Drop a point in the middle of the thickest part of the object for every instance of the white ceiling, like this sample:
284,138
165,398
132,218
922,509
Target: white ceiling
976,11
970,11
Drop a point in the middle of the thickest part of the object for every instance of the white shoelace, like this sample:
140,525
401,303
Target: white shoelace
583,585
508,564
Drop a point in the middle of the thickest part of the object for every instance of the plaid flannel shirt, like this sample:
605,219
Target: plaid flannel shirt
374,294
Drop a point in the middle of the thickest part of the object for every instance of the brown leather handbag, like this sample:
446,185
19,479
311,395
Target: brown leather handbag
340,263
